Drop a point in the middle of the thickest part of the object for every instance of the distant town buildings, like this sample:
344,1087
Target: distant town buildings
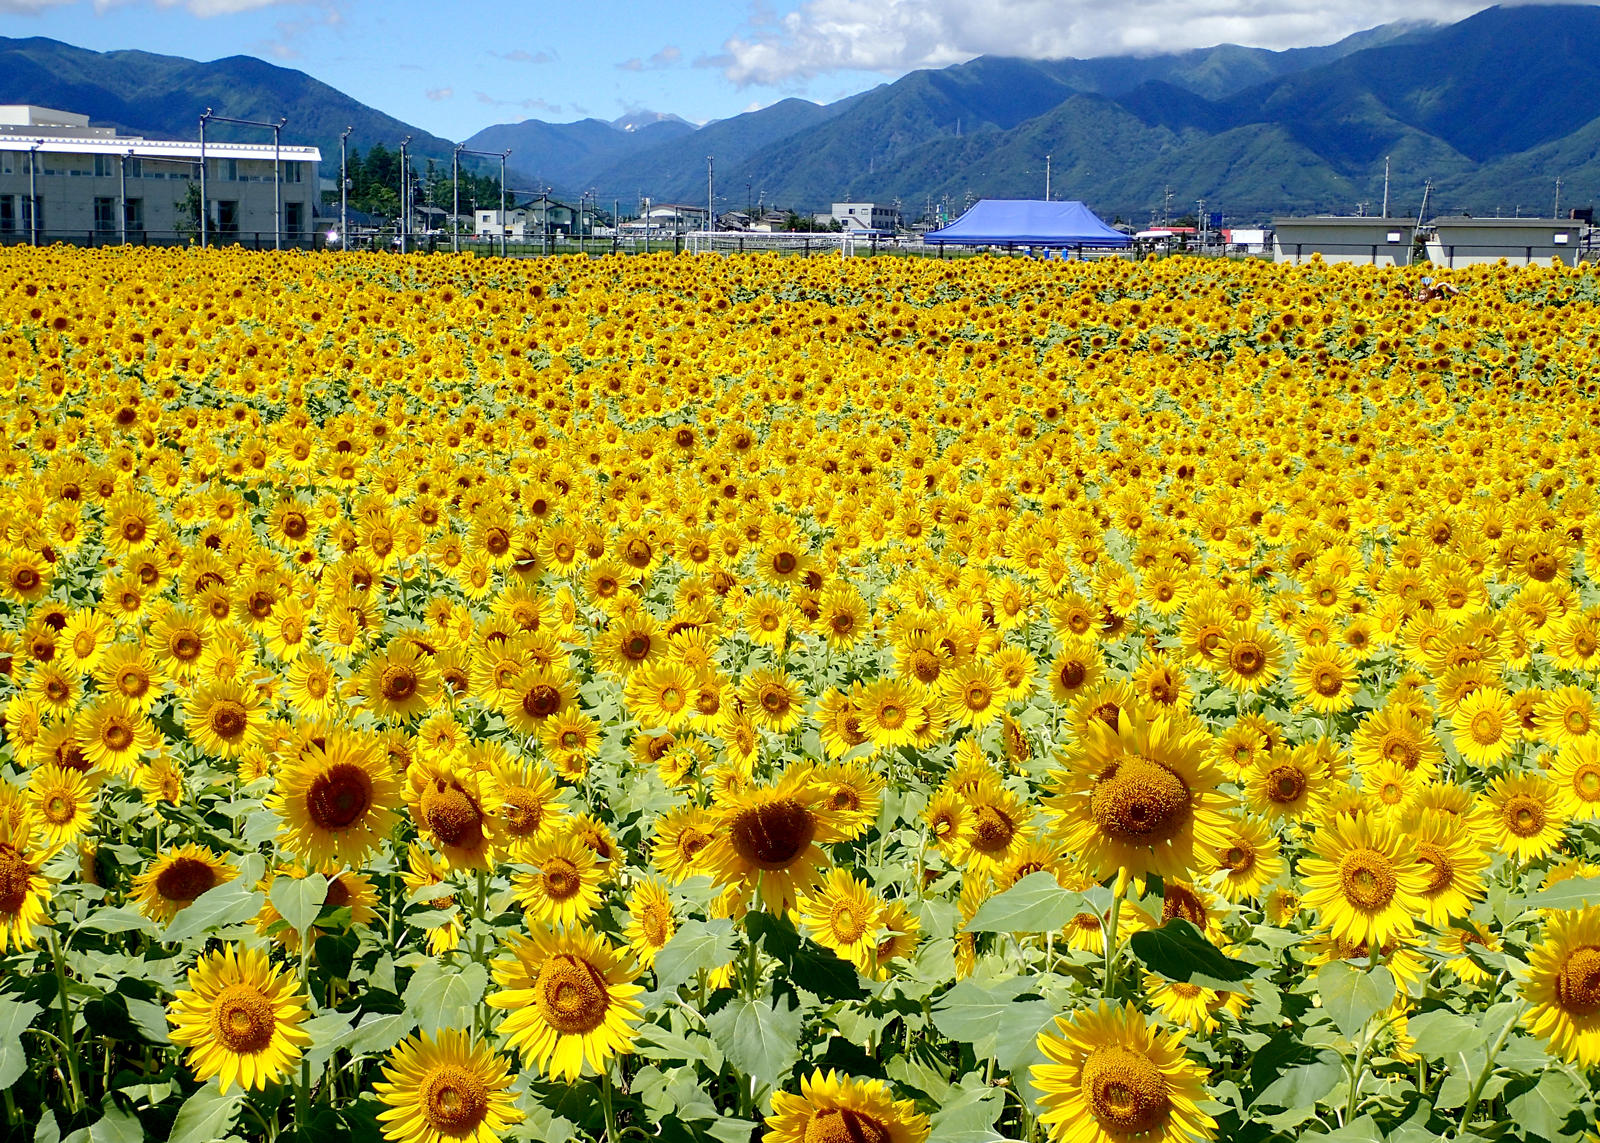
881,217
63,179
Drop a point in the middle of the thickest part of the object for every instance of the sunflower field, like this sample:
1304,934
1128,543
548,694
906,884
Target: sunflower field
743,700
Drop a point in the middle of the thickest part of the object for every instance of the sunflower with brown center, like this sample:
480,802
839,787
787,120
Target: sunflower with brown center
651,921
1577,777
1244,860
448,803
335,798
766,839
175,878
400,683
1136,800
240,1019
1364,879
1112,1078
564,889
1563,986
445,1089
1529,821
834,1108
581,1006
526,801
24,892
844,914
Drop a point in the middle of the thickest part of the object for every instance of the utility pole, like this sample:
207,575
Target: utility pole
1386,186
1361,210
1557,212
405,194
455,199
710,201
1047,178
1200,221
1427,187
344,188
1166,207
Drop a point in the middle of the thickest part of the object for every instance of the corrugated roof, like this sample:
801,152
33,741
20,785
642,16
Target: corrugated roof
156,148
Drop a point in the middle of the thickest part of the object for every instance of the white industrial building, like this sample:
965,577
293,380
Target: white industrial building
878,216
63,180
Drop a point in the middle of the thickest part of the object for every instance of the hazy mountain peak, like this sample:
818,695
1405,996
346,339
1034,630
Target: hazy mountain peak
642,117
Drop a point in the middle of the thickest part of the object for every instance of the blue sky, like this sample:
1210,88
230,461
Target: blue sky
454,69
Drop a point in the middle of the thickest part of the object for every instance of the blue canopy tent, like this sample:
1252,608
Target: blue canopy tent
1029,222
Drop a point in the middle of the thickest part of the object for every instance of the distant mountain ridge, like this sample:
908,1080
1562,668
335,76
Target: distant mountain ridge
1491,109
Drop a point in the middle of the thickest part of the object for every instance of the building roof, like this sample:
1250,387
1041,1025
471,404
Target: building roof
155,148
1509,223
1362,220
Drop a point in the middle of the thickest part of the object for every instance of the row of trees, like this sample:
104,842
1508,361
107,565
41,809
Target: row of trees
375,184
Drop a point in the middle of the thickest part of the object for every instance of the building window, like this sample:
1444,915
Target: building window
105,166
292,172
135,168
105,215
133,212
294,215
227,169
8,214
228,215
32,213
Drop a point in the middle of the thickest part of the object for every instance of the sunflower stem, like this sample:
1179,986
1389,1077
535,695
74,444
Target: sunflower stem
1111,944
66,1021
607,1114
1488,1067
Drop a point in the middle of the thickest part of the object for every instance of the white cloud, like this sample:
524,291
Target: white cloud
522,55
438,93
894,36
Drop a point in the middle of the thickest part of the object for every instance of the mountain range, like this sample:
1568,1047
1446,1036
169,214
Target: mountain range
1491,110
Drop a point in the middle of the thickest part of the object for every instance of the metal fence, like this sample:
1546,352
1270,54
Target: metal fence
263,240
1585,246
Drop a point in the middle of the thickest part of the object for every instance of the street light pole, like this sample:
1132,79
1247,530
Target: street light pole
122,193
203,227
1047,178
277,185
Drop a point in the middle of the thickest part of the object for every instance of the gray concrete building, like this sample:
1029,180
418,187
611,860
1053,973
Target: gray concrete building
63,180
1465,241
1365,240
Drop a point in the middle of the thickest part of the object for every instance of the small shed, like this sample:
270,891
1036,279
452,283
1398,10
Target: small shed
1363,239
1465,241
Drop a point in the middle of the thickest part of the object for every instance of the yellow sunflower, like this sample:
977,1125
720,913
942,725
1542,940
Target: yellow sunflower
24,892
445,1089
1112,1078
833,1108
1244,859
336,799
1139,798
1528,819
766,838
1364,879
843,914
564,889
1485,726
1577,777
450,810
1563,986
225,719
651,922
400,683
1248,658
582,1005
240,1019
175,878
63,804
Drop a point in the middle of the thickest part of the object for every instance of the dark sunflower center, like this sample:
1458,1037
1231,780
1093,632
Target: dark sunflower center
185,879
228,719
842,1125
1524,816
572,995
1128,1095
451,815
15,875
1140,803
454,1100
541,701
186,646
992,829
117,735
773,835
398,683
655,923
1239,858
339,796
1368,880
523,812
1578,983
561,879
1286,783
1246,659
243,1019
